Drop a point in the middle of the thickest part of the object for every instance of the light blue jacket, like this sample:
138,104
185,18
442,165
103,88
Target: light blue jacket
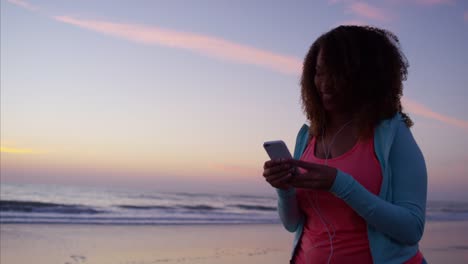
395,218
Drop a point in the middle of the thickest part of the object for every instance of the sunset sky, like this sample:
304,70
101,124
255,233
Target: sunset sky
180,95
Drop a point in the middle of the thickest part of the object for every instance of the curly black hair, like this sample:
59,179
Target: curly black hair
367,67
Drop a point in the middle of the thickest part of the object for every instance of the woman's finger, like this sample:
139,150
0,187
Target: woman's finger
308,176
276,169
278,181
273,163
276,176
268,164
301,183
309,180
303,164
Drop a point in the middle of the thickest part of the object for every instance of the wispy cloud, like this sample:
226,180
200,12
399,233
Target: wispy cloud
422,110
365,10
235,52
17,150
353,22
465,16
24,4
339,1
434,2
206,45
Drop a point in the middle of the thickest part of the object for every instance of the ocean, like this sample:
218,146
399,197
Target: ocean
60,204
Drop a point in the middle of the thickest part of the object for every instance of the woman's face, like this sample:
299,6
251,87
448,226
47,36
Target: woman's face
325,87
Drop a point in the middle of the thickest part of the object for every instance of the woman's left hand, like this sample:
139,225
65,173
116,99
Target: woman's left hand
317,177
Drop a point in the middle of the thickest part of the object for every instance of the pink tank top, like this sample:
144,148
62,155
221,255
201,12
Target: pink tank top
332,228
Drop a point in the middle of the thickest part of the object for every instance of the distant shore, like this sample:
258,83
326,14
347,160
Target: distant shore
443,242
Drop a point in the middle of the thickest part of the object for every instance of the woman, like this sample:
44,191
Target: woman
359,193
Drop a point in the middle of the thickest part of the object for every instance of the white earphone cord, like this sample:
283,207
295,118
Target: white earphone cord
314,204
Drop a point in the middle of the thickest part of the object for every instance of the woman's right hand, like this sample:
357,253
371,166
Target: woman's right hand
278,173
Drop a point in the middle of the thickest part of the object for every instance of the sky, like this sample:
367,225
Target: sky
180,95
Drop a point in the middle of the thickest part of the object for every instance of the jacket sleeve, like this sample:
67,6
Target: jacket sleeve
288,209
403,218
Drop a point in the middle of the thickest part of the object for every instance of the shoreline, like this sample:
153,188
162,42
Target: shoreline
430,222
136,224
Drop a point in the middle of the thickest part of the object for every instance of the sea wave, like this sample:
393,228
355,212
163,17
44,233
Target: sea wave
44,207
37,219
144,207
255,207
170,210
199,207
447,211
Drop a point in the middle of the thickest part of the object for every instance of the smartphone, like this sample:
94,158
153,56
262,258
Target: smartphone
277,150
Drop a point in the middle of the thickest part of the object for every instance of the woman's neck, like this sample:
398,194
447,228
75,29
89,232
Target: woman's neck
337,120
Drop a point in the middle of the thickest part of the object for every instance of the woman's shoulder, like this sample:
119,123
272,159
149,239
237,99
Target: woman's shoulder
301,140
390,126
303,131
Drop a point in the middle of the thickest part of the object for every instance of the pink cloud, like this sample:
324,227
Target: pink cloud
465,16
230,51
339,1
434,2
24,4
423,2
422,110
353,22
365,10
202,44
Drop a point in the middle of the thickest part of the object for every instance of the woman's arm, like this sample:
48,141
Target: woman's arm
288,209
403,218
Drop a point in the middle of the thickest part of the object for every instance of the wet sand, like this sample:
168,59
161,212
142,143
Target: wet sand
443,242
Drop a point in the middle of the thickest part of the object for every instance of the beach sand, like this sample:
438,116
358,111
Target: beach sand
443,242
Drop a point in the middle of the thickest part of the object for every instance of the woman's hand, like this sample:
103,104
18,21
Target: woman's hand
278,173
317,177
